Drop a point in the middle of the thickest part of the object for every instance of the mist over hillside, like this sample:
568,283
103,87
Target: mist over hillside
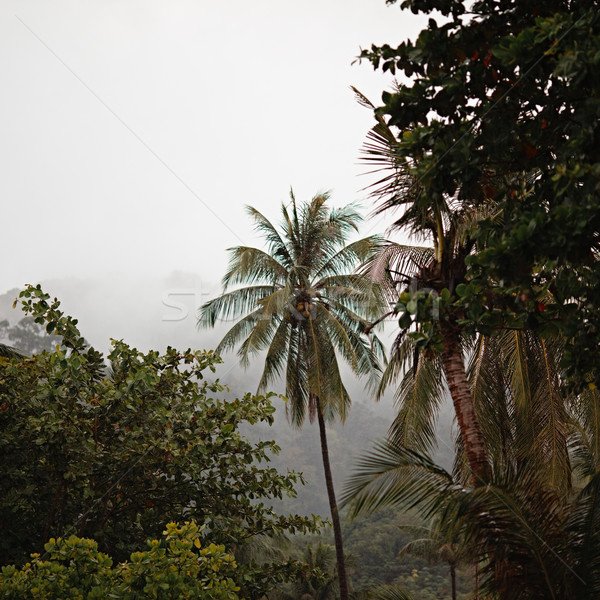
156,313
147,313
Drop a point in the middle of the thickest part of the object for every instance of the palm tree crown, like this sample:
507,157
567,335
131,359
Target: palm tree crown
304,306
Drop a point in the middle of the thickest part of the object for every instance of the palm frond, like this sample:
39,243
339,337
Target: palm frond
583,527
323,373
355,294
585,435
348,257
297,388
232,305
276,356
239,331
353,347
259,337
249,265
418,399
393,475
395,265
275,244
402,356
390,592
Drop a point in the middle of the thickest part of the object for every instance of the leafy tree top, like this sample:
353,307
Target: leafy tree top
502,105
176,567
113,451
303,304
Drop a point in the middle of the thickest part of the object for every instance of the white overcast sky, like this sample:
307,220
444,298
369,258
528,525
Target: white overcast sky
132,132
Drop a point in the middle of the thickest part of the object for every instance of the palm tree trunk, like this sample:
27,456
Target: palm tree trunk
464,406
453,580
335,518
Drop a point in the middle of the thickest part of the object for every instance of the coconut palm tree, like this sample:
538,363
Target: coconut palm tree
320,583
438,542
518,398
304,308
427,274
531,528
516,423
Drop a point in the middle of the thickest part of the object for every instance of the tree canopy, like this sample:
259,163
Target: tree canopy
502,104
114,450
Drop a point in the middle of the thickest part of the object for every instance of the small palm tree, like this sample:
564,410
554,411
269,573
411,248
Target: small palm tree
441,543
320,559
305,308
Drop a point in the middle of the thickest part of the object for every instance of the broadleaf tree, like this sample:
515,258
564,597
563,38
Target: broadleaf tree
113,448
501,102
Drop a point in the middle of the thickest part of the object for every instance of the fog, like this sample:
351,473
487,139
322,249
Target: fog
134,132
153,314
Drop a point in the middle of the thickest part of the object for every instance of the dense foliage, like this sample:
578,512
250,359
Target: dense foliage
115,451
488,145
176,568
503,106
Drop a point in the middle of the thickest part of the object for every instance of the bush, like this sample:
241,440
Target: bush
177,568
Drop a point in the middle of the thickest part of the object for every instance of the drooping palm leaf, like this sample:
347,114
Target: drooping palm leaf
418,399
393,475
234,304
250,265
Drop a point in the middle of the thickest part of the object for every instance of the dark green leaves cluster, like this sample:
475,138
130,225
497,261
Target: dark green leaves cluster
113,451
503,107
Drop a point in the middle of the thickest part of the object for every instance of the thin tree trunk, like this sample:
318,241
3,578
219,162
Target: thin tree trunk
335,519
53,508
453,580
464,406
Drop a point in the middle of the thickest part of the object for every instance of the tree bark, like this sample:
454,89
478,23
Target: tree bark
335,519
464,406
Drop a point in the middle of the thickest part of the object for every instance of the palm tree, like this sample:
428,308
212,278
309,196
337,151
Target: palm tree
440,544
533,520
305,308
531,542
532,527
321,582
428,274
445,223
